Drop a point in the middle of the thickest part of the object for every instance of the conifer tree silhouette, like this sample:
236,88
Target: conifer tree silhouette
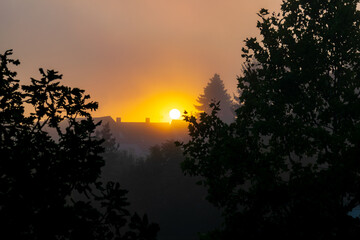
215,92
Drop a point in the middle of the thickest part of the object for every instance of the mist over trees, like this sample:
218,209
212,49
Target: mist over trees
158,187
289,167
215,92
51,189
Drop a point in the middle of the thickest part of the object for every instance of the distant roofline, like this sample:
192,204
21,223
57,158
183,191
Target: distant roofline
146,120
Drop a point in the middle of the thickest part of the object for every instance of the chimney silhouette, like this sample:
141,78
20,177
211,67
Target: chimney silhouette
147,120
118,120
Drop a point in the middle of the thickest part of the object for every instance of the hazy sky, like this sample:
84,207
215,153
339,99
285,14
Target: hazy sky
137,58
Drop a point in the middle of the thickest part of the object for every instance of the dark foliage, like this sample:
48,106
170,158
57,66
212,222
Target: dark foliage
289,167
50,189
158,186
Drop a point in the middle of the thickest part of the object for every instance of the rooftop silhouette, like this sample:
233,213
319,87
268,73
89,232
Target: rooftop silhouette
140,136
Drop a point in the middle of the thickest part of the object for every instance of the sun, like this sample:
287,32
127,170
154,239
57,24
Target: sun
174,114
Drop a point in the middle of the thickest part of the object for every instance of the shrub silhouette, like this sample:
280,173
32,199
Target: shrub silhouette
50,189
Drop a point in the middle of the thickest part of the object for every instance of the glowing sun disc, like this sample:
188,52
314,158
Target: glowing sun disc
174,114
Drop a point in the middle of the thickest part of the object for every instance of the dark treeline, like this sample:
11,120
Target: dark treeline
158,187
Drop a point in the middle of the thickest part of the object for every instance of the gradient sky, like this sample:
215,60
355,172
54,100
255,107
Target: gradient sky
137,58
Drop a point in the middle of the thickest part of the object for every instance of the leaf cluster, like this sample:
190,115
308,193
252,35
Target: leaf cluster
289,166
50,188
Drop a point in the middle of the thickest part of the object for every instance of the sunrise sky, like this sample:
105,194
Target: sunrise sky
137,58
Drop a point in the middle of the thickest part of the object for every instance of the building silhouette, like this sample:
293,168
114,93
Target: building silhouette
138,137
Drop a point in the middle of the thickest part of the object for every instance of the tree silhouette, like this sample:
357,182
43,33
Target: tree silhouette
215,92
157,185
50,189
109,142
289,166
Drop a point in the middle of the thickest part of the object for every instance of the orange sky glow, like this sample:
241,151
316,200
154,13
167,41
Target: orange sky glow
137,58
